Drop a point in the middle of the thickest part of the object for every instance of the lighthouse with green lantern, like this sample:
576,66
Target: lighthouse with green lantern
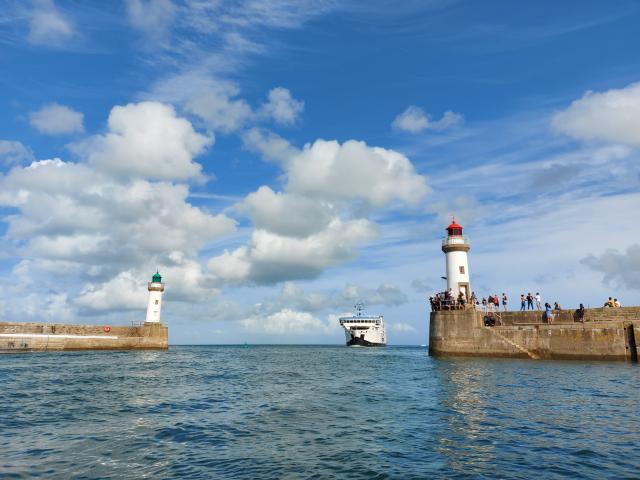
156,287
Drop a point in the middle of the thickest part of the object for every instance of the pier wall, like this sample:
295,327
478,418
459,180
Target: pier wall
603,334
30,337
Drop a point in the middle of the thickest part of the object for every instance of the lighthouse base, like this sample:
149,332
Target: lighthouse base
42,337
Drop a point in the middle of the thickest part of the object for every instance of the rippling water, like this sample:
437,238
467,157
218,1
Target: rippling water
314,412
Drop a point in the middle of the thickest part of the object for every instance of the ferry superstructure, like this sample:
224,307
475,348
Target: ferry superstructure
364,330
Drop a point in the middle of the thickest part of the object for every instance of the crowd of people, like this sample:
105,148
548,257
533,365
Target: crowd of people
449,301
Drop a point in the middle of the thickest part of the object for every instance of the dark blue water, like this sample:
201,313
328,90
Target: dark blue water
314,412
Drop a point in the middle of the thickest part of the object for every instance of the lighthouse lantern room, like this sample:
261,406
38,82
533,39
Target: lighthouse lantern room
156,287
455,247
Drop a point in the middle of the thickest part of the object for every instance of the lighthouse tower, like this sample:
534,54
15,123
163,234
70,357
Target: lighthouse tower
156,287
455,248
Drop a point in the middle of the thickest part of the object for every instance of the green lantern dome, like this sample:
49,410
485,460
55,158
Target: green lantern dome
157,278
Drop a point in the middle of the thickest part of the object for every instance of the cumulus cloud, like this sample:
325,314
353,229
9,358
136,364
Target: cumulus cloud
331,171
287,214
55,119
611,116
110,224
47,25
212,100
122,292
218,104
289,321
415,120
401,327
269,145
282,107
294,296
12,152
127,290
106,222
147,140
309,227
386,294
617,267
153,17
271,258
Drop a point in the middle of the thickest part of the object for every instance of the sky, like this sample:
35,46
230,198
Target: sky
279,161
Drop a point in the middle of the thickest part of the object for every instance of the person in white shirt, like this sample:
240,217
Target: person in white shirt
538,301
616,303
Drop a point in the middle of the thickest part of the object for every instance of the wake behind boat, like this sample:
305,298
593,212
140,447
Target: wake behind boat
364,330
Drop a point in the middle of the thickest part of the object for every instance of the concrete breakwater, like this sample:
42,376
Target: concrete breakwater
33,337
602,334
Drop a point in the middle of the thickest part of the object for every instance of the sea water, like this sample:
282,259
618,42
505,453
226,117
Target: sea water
314,412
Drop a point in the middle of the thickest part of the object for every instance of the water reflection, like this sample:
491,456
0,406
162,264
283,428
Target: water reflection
463,394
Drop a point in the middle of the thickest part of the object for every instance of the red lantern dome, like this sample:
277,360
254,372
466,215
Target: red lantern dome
454,230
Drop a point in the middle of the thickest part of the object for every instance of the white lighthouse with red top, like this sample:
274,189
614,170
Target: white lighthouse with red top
455,247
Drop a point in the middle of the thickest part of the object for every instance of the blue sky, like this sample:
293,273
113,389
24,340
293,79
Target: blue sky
279,161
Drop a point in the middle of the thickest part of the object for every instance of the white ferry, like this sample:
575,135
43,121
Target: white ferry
364,330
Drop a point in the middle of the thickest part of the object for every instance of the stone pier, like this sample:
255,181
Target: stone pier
33,337
602,334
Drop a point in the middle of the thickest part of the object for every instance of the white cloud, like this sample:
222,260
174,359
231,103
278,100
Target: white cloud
271,258
300,232
12,152
147,140
286,214
103,221
212,100
415,120
153,17
449,120
354,171
293,296
386,294
270,146
289,321
55,119
218,104
127,290
401,327
611,116
122,292
106,223
618,267
47,25
282,107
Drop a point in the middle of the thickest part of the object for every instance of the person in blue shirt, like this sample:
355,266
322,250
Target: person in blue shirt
548,314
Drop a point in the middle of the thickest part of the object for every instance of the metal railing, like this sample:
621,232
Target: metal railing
455,240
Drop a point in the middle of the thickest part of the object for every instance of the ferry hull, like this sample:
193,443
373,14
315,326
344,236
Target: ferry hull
361,342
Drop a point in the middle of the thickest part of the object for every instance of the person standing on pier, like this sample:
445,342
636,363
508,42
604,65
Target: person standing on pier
523,302
529,301
538,301
504,301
